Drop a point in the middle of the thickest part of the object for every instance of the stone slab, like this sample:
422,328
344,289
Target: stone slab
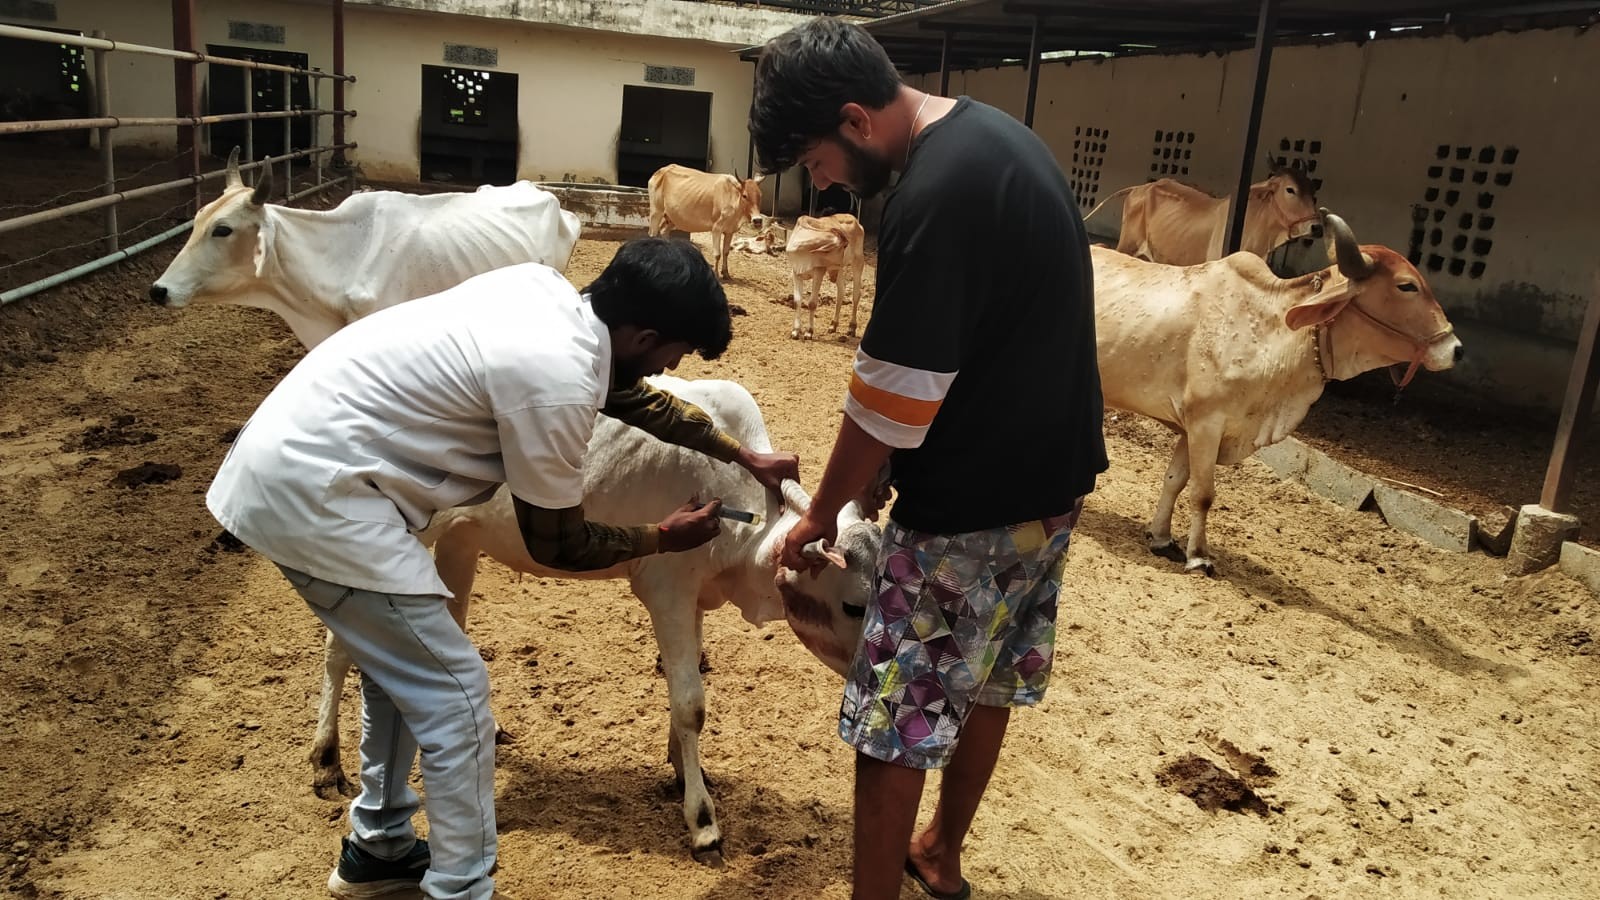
1582,563
1439,525
1497,541
1336,481
1288,458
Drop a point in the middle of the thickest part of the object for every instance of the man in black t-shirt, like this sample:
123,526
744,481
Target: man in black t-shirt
976,381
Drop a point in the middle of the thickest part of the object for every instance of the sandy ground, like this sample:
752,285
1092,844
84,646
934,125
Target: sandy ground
1413,723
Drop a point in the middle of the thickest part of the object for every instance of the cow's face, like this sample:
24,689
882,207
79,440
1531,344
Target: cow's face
1294,199
1386,309
750,200
220,257
1397,295
826,612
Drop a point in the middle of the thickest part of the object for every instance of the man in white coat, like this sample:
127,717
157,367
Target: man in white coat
433,404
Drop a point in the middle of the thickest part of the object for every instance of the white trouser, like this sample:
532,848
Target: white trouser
423,686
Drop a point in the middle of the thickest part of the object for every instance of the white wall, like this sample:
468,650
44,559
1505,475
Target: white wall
569,86
1381,111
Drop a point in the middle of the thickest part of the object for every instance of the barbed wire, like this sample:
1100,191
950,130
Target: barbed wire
94,188
166,214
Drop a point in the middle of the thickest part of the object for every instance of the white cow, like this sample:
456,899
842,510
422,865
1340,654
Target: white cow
819,249
1231,357
322,270
631,477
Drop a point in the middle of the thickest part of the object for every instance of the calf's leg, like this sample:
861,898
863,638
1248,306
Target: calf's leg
676,622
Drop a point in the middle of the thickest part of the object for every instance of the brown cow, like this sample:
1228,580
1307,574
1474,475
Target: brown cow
819,249
685,199
1170,222
1231,357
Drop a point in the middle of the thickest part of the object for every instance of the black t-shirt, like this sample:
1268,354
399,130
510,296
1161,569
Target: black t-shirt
978,364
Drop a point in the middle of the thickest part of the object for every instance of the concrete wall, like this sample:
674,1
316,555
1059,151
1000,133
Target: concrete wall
1382,113
569,90
571,69
645,18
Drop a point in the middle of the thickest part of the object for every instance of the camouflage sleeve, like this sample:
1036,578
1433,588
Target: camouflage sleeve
670,419
563,539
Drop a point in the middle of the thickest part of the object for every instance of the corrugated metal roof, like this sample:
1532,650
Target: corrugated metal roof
987,32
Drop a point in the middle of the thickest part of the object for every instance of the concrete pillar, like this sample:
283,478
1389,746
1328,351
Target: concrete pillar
1536,544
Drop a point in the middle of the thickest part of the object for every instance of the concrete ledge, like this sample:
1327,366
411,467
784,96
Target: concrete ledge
1320,472
1439,525
1338,482
1288,457
1581,563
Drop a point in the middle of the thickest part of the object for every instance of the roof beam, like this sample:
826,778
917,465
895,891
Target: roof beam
1266,30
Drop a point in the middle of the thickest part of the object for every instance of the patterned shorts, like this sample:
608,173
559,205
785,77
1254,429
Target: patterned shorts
957,620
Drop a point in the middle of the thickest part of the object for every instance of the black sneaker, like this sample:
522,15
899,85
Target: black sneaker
360,874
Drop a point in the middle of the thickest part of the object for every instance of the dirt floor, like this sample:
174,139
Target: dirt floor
1369,715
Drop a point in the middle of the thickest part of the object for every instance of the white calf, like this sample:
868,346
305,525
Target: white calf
632,477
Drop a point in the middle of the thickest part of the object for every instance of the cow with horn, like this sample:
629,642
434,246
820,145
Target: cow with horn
1231,357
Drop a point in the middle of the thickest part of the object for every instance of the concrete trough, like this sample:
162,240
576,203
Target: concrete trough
604,208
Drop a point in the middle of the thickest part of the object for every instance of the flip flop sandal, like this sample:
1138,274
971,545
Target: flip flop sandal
961,893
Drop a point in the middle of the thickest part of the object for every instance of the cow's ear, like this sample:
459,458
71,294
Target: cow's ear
1324,306
263,247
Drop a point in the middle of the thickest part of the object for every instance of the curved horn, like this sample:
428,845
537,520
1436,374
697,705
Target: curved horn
1353,264
233,179
795,496
263,187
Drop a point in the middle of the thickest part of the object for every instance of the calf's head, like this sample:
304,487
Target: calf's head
224,250
826,611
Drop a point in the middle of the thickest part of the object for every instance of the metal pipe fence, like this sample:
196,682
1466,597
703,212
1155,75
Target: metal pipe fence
105,124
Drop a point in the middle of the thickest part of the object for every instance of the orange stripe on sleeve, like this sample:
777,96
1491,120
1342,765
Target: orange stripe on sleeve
892,406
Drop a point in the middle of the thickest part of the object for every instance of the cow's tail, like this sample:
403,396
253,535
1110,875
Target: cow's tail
1117,196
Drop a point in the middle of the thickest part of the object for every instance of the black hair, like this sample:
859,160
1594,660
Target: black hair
664,285
803,78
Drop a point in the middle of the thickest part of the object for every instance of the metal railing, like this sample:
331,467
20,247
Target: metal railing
105,125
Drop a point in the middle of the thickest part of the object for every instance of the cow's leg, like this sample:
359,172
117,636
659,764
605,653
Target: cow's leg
676,621
855,294
1160,530
799,302
327,776
721,241
837,277
818,276
1203,446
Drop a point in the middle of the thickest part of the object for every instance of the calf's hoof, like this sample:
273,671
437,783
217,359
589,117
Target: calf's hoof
707,847
1202,565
